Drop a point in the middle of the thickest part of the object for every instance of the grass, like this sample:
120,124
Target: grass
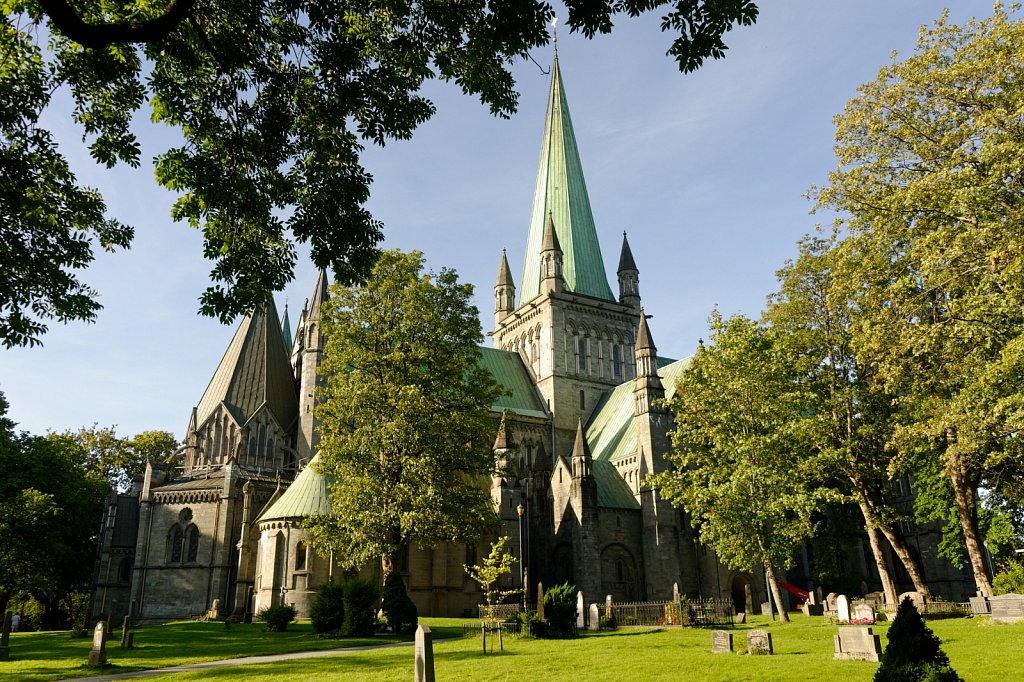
977,649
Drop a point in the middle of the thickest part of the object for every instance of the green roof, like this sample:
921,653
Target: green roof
562,191
612,490
307,495
508,370
611,431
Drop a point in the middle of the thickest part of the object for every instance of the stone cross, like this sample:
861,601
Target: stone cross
5,638
759,642
98,653
858,644
595,617
580,618
424,654
540,601
721,642
127,634
843,609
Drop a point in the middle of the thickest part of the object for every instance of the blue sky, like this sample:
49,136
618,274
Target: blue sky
706,171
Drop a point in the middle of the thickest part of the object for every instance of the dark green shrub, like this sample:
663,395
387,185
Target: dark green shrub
398,608
608,623
360,606
560,611
914,653
328,611
277,617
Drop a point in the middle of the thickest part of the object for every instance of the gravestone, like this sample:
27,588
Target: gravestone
127,635
874,598
915,597
1007,608
675,591
813,609
766,608
862,612
813,597
830,601
5,637
608,606
842,609
979,606
540,601
858,644
98,653
424,654
721,642
595,617
581,621
759,642
741,618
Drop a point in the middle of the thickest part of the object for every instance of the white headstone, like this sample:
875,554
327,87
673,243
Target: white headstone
581,621
98,653
595,617
842,609
675,591
863,612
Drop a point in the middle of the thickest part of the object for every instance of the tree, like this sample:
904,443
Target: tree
275,100
740,450
914,652
101,451
490,571
405,422
48,512
853,418
929,188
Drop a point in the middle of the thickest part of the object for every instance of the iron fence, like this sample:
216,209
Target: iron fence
708,613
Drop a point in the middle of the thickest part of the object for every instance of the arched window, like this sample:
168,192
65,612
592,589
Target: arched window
617,361
583,400
581,355
192,544
300,556
174,540
218,440
263,439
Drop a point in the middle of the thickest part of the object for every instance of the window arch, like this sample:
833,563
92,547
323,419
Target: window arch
192,544
300,556
174,540
124,570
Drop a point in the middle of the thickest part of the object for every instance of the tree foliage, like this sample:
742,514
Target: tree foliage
99,450
929,188
405,422
275,100
489,572
741,449
914,653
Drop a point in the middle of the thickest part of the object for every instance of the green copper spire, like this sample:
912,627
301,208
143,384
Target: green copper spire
562,192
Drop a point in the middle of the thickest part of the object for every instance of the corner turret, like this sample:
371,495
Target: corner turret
648,387
629,276
551,280
504,291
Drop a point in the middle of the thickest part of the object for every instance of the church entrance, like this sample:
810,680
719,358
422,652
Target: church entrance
742,598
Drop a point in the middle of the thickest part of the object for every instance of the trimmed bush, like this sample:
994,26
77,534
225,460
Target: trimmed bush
560,611
328,612
914,653
277,617
399,609
360,613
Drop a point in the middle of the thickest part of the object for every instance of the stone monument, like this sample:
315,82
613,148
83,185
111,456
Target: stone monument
858,644
721,642
581,620
842,609
424,654
759,642
862,612
540,601
1007,608
98,653
595,617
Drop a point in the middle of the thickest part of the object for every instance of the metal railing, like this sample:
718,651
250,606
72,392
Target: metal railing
708,613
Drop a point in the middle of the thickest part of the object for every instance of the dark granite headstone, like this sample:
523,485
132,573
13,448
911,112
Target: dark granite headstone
858,644
721,642
759,642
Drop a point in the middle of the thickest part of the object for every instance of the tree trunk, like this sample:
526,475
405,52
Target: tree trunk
773,585
909,562
967,512
881,561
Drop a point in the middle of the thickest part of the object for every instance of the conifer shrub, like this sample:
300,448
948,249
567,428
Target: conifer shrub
399,609
359,603
277,617
560,611
914,653
328,611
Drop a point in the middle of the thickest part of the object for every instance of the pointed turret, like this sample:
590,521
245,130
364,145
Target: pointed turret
561,191
311,351
582,462
648,387
629,276
286,330
551,260
503,441
504,291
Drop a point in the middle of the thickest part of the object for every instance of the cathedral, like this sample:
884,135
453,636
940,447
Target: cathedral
577,433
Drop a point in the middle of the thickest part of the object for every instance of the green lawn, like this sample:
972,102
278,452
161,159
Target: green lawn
977,649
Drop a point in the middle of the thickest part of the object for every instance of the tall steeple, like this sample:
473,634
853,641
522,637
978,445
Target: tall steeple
562,193
286,329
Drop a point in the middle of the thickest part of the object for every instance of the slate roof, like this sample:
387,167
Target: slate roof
508,370
562,191
254,371
307,495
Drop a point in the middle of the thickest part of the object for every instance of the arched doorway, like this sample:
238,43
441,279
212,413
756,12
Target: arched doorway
742,598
